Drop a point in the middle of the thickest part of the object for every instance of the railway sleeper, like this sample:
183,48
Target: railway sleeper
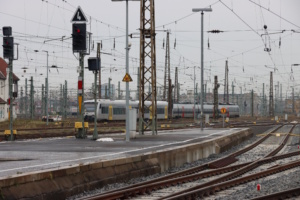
148,191
206,193
142,191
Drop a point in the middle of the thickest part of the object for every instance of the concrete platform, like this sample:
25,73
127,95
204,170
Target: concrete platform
65,166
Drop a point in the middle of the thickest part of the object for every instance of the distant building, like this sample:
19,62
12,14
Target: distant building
109,93
4,91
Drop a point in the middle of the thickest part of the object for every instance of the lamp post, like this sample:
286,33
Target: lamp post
127,71
293,95
294,65
202,10
194,94
47,86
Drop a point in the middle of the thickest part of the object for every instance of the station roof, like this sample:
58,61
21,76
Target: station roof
3,66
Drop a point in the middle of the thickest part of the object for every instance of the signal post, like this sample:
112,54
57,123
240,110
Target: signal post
79,36
8,52
223,111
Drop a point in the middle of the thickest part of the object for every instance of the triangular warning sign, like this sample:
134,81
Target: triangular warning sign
127,78
79,16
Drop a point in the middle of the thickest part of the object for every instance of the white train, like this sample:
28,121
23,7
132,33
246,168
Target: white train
115,110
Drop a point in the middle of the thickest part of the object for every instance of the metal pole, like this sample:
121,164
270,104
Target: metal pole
63,102
194,94
43,99
263,103
205,92
82,133
31,98
138,85
127,83
26,99
47,89
293,105
10,99
281,109
223,120
119,90
109,88
66,100
22,103
202,92
252,104
95,134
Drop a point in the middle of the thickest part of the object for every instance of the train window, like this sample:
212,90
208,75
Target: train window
104,110
119,111
160,111
89,107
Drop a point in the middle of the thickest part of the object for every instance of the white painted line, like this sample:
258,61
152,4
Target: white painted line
66,161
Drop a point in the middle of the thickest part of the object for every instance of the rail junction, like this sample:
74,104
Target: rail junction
69,166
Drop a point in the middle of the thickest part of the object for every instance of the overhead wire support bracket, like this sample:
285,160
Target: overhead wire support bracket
60,39
272,33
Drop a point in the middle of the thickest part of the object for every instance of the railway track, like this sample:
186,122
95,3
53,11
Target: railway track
206,191
197,190
196,173
62,131
147,188
280,195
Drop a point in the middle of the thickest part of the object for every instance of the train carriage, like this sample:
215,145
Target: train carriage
116,110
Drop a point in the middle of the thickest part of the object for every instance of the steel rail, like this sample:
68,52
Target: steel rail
154,185
280,195
141,187
239,172
206,191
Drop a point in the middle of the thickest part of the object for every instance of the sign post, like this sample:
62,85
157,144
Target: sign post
223,111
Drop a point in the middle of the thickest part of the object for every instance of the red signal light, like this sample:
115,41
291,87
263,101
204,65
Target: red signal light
78,30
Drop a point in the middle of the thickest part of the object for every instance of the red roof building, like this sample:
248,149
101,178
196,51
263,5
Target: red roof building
4,91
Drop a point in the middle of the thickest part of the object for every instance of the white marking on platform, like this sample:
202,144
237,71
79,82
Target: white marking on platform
105,140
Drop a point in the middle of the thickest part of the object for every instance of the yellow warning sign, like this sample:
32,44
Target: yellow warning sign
127,78
223,110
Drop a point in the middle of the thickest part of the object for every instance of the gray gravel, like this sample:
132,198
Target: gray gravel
255,130
271,184
278,182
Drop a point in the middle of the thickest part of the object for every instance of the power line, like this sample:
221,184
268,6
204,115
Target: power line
267,9
182,18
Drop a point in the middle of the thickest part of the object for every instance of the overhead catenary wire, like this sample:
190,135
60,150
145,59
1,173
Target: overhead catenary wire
268,9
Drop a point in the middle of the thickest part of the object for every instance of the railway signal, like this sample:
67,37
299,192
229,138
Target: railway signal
8,47
79,36
94,65
8,52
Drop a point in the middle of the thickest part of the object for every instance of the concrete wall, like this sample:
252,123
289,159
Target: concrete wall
68,181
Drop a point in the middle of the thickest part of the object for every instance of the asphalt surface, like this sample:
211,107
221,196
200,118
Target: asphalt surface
24,156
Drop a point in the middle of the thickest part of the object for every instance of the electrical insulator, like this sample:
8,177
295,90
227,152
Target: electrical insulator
215,31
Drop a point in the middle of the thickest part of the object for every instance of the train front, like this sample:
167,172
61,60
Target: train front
89,111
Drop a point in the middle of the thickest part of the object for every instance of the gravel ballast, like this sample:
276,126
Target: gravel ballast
255,130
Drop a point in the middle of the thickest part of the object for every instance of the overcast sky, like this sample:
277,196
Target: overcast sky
39,25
